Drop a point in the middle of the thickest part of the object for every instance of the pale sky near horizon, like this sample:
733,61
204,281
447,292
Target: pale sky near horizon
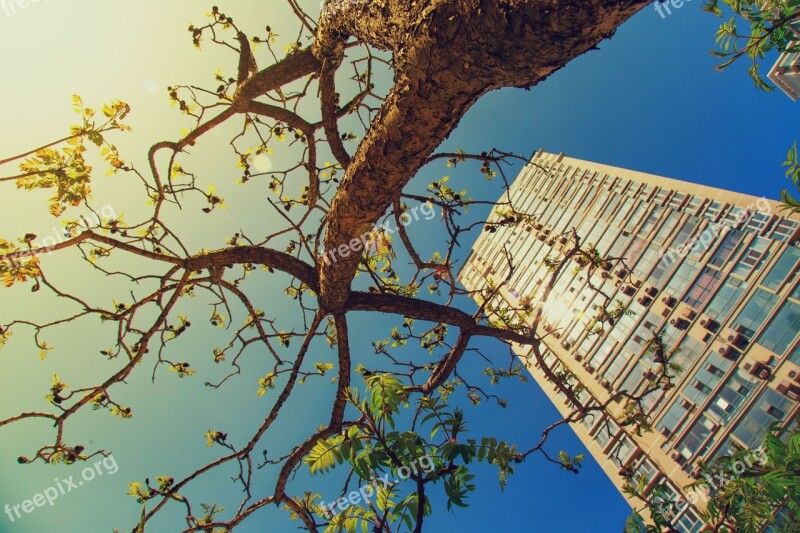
648,100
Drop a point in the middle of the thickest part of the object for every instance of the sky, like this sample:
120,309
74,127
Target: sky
648,100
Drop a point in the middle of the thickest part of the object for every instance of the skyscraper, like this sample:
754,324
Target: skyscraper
715,271
785,73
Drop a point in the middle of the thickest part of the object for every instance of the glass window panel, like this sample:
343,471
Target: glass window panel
752,429
649,258
607,430
784,230
713,210
754,314
725,300
726,248
733,394
617,365
602,354
651,220
661,195
622,451
683,277
622,212
673,416
676,200
735,216
694,204
795,357
696,436
667,228
758,222
701,290
598,204
689,522
755,255
611,208
648,470
783,329
658,277
777,275
682,238
689,350
589,421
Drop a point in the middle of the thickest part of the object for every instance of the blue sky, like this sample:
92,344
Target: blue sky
648,100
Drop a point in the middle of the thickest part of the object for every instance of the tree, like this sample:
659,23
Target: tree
751,489
444,55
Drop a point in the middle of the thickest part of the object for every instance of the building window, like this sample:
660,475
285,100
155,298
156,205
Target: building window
621,185
648,470
611,208
650,223
607,430
795,357
683,277
732,395
693,441
667,229
598,205
782,268
622,451
676,200
617,365
758,222
602,353
758,308
689,522
725,300
682,238
726,249
589,421
752,429
645,264
783,329
756,254
702,387
701,290
712,212
688,351
695,204
669,422
734,215
785,229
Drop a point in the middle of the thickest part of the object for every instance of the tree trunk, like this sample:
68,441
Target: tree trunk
447,53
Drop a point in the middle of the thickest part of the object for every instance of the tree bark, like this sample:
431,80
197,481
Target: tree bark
447,53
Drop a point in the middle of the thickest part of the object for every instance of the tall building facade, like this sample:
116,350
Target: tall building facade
785,73
715,271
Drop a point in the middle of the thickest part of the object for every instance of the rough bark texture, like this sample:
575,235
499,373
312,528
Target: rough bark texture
447,54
